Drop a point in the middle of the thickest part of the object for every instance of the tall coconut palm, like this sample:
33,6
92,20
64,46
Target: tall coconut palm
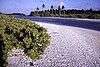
59,9
43,6
52,9
37,9
63,8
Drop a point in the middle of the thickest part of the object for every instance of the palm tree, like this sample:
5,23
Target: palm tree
63,8
59,9
43,5
37,9
52,9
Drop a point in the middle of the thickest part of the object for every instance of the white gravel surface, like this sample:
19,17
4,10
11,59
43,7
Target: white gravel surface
69,47
17,58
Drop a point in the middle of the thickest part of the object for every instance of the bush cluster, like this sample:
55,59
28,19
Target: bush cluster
24,34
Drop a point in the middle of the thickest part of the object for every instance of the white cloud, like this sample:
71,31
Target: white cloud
61,3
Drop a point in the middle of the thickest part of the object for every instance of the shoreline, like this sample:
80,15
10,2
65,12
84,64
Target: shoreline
69,18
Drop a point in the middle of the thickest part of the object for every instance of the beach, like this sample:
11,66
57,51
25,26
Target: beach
69,47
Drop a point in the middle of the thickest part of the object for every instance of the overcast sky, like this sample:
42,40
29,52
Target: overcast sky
26,6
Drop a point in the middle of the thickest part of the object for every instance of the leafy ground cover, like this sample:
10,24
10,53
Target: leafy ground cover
24,34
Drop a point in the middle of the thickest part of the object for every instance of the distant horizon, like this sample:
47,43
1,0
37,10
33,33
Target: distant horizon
25,7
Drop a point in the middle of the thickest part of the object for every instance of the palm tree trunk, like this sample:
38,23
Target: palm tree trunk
60,12
52,11
64,13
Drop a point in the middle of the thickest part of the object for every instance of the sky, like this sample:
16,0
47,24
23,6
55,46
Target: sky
26,6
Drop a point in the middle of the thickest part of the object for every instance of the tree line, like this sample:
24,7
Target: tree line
62,12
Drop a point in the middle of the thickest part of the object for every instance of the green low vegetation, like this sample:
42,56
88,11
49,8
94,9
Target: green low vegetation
62,12
24,34
68,14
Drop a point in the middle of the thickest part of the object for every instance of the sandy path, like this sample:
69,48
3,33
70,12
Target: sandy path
71,47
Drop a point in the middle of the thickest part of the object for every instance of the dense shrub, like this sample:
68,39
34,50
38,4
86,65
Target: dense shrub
24,34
